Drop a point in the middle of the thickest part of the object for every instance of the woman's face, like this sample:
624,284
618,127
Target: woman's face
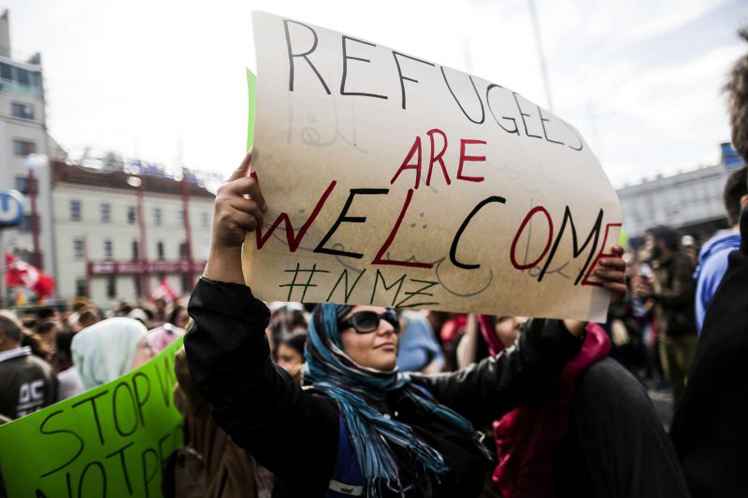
290,360
377,349
508,328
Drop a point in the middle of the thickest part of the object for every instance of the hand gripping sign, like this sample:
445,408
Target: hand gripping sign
395,181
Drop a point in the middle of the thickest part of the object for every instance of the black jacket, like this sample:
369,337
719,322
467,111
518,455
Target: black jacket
710,427
27,383
294,432
675,290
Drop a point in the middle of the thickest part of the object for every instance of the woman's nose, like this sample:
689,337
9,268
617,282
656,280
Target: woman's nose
385,328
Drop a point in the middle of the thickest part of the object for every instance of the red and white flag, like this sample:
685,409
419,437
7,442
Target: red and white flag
164,292
19,273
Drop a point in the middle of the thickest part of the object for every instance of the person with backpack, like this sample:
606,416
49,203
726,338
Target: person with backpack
358,427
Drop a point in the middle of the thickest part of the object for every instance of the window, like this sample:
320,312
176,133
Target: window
23,148
131,216
187,283
205,219
23,77
27,224
22,110
22,184
36,80
75,210
138,286
180,216
6,72
135,250
106,212
183,250
157,217
108,249
111,287
79,248
81,287
160,250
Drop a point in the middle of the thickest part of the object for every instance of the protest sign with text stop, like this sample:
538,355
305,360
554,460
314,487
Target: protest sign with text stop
110,441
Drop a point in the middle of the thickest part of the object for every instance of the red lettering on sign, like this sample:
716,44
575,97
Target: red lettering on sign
294,239
525,221
600,255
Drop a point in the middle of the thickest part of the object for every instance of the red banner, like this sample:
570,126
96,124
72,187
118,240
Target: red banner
143,267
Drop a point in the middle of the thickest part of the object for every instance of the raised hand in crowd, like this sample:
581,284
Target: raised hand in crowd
238,209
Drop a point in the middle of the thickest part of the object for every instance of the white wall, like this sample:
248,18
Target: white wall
122,234
12,166
677,200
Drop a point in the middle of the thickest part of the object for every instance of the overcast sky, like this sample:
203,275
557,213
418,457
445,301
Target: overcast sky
641,79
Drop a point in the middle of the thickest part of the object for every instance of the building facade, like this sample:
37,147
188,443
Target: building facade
691,201
119,235
24,148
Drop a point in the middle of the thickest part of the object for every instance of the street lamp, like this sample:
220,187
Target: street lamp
136,182
35,163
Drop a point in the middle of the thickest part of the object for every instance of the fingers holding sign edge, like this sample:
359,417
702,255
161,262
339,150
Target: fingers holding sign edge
249,207
242,183
612,272
241,171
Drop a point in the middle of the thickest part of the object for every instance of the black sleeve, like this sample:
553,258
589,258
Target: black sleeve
709,428
524,373
291,431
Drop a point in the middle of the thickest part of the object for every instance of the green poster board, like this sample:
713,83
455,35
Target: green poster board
106,442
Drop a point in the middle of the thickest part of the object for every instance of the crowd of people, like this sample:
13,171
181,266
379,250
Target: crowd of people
48,354
291,399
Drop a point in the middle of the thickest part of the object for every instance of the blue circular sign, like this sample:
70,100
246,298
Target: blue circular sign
11,208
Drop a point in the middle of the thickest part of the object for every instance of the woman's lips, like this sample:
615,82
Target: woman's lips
386,345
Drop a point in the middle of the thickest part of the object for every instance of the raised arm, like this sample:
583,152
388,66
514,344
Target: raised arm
228,355
526,372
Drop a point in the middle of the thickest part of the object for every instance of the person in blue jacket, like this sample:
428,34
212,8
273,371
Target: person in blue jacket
713,256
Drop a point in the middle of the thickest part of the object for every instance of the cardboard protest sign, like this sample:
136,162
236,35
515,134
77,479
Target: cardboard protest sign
395,181
106,442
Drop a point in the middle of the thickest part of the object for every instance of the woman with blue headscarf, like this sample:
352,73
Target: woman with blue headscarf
358,427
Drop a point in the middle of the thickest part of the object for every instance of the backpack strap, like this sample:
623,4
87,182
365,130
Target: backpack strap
348,480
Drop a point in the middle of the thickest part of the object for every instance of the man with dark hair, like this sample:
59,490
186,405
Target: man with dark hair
713,256
709,429
46,332
27,383
672,290
87,317
736,89
69,380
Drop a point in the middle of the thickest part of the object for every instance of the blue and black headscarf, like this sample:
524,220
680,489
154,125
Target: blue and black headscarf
330,370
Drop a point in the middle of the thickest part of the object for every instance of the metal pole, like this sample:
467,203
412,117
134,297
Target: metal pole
185,187
143,249
32,188
541,54
2,270
50,181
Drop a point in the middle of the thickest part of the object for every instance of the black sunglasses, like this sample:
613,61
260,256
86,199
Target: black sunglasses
366,322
